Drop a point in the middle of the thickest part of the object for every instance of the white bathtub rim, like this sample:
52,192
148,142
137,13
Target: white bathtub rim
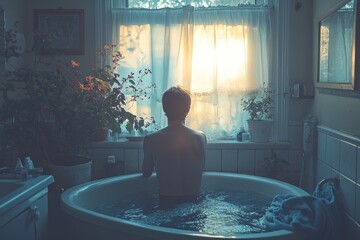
144,230
93,184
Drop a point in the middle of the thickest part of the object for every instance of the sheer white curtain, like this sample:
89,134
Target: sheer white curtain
336,47
219,54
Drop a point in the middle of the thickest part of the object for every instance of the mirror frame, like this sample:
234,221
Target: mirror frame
355,49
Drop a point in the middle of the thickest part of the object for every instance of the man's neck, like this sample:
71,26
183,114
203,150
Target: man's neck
175,122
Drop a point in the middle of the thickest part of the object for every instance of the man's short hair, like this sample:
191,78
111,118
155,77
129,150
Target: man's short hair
176,103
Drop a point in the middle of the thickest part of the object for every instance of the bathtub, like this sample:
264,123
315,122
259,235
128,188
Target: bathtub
83,223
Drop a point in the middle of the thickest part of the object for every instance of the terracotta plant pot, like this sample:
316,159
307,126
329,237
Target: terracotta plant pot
100,135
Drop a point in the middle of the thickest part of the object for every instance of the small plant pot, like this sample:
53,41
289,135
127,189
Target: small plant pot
69,175
260,130
100,135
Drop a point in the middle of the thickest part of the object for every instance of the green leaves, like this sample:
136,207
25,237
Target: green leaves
134,123
259,108
67,106
129,126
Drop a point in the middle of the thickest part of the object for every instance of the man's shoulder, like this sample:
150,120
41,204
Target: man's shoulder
153,134
198,134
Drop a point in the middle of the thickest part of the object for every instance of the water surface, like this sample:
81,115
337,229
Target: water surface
216,212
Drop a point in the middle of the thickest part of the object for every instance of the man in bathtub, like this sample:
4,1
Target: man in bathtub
176,151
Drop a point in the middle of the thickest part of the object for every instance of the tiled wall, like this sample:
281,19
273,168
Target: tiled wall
249,159
338,155
221,156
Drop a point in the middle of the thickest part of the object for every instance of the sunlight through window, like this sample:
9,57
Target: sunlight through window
222,58
220,55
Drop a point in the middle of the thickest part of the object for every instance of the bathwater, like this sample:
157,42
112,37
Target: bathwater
215,212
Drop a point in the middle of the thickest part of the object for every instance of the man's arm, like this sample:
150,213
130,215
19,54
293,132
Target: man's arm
204,150
148,163
203,146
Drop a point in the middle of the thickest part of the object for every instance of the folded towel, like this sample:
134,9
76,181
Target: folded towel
318,215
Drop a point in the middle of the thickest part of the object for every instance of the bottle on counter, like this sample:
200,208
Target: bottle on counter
19,165
239,134
28,163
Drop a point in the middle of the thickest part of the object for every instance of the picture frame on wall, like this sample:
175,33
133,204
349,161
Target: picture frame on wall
59,31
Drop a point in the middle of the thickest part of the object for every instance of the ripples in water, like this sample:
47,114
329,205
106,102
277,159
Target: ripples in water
216,212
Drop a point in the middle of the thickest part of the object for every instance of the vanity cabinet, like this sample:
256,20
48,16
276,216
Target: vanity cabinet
27,220
29,224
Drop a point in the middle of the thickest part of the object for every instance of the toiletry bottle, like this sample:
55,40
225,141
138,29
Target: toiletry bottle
28,163
19,165
239,134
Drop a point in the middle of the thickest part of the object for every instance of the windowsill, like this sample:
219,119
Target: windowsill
212,144
233,144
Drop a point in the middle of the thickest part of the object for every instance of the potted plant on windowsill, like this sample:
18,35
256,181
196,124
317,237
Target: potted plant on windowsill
59,109
260,110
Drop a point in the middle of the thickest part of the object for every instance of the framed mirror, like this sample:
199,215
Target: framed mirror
337,34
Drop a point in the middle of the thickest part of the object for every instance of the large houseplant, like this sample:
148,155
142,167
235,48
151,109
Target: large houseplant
260,110
61,109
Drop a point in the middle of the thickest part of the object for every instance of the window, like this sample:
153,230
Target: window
221,54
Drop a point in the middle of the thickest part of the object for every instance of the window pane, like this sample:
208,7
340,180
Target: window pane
154,4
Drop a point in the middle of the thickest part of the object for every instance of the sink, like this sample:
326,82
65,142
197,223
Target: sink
8,186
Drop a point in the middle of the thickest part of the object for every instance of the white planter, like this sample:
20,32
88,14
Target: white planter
69,176
260,130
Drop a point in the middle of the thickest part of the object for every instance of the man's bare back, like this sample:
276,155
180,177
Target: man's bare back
178,154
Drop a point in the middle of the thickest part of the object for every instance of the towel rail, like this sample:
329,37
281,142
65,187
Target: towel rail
335,180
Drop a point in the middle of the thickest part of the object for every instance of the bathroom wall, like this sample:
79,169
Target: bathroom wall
338,112
26,7
338,157
338,143
14,11
221,156
224,156
21,11
300,55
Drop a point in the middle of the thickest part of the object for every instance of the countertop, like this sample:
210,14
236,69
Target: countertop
17,195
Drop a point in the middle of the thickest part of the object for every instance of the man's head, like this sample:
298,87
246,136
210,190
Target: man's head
176,103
